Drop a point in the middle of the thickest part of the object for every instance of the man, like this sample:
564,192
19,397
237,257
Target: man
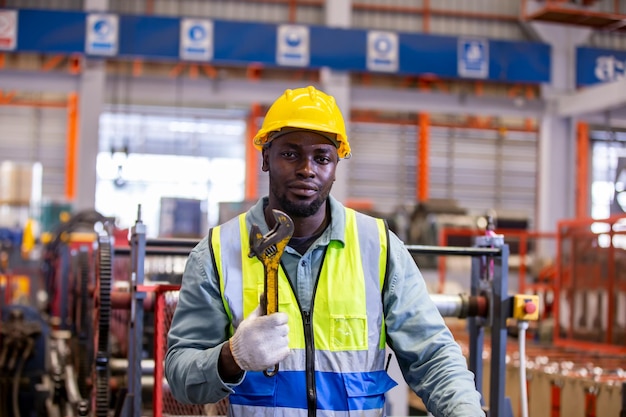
347,288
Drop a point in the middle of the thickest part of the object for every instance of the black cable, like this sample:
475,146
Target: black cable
18,376
14,358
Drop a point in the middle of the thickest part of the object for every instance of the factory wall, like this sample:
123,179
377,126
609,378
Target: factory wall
495,166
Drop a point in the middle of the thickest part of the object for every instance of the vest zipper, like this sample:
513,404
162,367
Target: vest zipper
311,391
309,343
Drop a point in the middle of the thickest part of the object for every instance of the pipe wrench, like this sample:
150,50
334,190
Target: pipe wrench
269,248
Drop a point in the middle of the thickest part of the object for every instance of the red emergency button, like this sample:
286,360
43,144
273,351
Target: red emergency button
526,307
529,307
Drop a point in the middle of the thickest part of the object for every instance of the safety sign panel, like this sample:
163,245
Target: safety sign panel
598,65
473,58
8,30
292,45
196,39
382,51
102,34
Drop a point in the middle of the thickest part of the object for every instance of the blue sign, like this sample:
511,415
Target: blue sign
196,39
594,65
473,60
242,43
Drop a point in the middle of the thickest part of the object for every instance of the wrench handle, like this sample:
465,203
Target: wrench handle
271,299
271,290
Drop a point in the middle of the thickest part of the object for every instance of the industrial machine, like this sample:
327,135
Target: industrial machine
47,347
97,349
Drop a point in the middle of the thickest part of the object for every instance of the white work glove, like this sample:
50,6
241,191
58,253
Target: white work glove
260,342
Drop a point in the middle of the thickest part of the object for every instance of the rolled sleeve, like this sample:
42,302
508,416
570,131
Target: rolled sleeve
196,335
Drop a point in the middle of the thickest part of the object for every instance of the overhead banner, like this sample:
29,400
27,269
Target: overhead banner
196,40
8,30
292,46
102,34
473,59
382,51
297,46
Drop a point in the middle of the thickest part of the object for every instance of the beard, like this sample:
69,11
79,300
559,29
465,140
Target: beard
301,208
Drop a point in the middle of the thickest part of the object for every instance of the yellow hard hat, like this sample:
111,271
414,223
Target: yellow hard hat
305,108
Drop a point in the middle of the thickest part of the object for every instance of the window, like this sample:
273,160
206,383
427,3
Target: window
146,156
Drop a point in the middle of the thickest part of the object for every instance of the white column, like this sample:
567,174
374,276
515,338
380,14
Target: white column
90,100
557,135
337,84
338,13
556,199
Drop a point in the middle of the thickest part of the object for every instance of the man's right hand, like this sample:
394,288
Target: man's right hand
260,342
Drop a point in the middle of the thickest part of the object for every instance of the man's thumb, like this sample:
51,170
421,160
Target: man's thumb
257,312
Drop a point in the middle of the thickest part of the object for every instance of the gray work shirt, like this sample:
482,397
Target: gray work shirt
430,359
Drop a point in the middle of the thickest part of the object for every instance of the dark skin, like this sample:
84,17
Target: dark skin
301,166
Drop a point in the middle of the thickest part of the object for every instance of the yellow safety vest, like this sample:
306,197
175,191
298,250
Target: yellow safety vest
337,362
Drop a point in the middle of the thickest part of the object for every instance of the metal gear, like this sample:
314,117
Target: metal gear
102,369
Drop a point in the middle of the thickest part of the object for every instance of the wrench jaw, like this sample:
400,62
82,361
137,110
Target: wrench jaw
274,242
255,238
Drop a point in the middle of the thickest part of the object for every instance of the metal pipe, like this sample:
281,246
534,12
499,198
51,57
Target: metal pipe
122,300
120,366
71,164
163,246
373,117
251,182
448,305
582,171
423,155
169,251
461,306
454,250
172,242
118,382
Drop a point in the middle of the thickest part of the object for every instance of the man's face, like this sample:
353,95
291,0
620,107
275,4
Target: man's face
301,166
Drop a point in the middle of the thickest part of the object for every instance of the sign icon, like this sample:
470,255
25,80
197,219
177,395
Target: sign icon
382,51
196,40
473,58
102,34
8,30
293,46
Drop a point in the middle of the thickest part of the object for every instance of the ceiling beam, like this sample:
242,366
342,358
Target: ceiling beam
36,81
595,99
242,93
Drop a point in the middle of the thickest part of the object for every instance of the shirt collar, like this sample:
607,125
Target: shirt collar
336,230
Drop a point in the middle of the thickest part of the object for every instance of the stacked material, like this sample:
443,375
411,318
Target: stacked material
20,183
561,382
576,383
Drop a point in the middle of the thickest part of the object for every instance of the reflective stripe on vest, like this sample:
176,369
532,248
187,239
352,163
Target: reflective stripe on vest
347,319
